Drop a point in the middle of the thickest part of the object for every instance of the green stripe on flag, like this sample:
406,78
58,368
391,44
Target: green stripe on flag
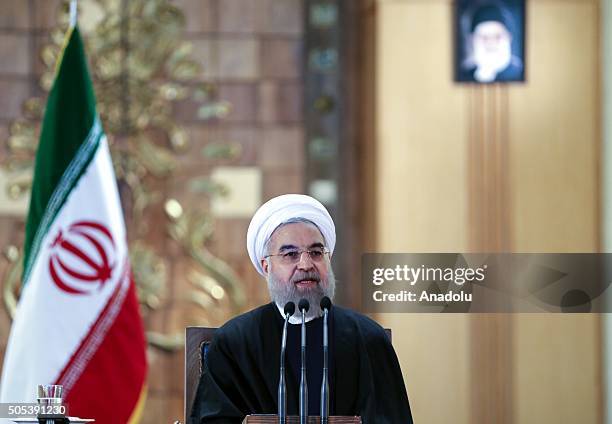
70,134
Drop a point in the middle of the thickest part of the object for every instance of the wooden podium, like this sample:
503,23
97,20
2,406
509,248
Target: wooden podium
294,419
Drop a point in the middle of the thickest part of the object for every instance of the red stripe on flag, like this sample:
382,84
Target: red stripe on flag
90,343
109,387
111,381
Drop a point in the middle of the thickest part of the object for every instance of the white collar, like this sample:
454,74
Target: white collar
296,318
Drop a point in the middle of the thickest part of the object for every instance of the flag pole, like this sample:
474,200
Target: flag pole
73,13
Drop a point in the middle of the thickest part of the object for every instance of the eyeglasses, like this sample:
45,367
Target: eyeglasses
293,256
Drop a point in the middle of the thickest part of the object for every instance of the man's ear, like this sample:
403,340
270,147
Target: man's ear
264,266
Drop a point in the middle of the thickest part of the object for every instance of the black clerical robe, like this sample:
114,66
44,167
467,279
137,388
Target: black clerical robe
241,371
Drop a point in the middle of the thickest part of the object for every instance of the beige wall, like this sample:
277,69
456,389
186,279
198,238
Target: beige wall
515,168
421,185
555,147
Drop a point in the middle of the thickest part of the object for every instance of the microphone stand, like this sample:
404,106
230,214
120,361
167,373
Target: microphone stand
325,380
282,385
325,305
303,306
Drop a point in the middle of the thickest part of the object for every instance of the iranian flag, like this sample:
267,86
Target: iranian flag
77,322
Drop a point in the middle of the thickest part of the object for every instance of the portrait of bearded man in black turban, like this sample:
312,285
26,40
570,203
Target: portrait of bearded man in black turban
490,41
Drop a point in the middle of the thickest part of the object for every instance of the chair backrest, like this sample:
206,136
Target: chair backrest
197,340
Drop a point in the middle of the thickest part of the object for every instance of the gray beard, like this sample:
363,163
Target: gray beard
281,292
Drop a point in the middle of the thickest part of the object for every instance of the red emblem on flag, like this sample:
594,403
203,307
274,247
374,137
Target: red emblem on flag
82,258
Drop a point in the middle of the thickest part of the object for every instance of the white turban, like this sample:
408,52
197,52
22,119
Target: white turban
279,210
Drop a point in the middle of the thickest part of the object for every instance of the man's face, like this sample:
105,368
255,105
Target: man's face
306,277
492,45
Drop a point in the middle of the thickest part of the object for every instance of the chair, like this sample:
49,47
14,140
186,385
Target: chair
197,341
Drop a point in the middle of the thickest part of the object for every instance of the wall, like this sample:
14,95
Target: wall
250,50
497,168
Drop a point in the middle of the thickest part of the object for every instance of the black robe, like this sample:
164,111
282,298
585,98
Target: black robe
240,374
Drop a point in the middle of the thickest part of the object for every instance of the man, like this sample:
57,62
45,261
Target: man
489,47
290,241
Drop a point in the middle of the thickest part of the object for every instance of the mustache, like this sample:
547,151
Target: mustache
305,276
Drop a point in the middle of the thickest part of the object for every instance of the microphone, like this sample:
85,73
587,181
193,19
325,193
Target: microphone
325,306
303,306
282,385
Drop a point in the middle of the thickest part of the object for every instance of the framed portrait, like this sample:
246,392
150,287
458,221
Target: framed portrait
489,41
